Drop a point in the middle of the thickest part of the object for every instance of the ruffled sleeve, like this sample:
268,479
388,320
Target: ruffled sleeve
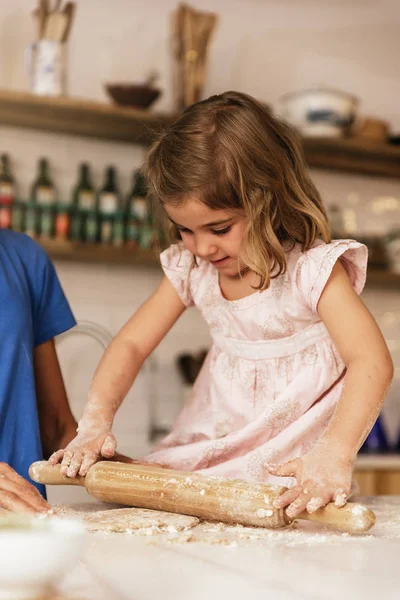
315,266
177,264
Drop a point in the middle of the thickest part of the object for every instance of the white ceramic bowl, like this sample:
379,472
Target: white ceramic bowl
35,553
319,112
393,251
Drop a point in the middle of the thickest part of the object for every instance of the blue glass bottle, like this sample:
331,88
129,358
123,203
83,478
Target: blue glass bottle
397,447
376,442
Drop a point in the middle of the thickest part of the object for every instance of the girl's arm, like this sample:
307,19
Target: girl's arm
363,349
325,473
114,377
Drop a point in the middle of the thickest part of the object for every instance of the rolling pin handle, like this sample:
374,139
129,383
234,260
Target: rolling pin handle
351,518
42,472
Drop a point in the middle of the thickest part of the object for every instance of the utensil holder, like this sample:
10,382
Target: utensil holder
46,64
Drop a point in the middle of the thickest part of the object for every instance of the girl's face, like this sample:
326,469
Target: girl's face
213,235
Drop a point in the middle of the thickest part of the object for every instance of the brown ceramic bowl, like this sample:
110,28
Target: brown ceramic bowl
137,95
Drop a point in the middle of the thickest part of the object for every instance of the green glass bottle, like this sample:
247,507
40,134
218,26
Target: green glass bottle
7,192
43,197
109,204
62,227
18,216
84,209
118,237
31,219
43,191
139,230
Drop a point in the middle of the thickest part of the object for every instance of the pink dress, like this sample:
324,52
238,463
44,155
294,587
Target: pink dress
272,378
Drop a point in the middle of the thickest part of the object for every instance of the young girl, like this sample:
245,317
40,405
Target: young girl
298,369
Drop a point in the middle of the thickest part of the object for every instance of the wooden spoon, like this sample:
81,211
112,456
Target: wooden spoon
43,14
69,11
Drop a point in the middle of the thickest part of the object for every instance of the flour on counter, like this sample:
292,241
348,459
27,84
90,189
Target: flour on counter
141,521
166,528
236,536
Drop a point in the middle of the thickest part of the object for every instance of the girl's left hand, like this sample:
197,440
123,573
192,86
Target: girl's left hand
322,476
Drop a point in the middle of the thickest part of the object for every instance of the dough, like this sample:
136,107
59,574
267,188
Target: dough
141,521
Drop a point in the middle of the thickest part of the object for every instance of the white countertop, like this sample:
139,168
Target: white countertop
306,563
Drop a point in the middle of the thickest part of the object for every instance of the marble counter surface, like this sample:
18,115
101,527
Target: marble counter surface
212,562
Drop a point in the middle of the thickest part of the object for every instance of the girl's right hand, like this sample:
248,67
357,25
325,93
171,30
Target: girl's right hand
83,452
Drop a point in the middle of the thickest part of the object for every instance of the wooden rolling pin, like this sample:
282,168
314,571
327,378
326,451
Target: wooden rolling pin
209,498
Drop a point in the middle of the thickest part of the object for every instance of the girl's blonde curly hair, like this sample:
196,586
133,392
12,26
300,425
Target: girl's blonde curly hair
231,153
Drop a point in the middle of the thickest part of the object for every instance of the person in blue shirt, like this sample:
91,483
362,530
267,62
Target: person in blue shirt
35,417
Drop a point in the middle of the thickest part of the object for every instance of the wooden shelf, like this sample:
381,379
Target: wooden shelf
378,475
378,462
352,155
378,279
97,253
80,117
111,122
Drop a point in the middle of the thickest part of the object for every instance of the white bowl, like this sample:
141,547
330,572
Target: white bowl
35,552
393,250
319,112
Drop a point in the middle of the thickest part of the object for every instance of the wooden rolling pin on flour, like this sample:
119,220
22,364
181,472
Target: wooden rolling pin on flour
209,498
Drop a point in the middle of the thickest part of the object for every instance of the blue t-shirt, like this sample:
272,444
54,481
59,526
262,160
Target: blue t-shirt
33,309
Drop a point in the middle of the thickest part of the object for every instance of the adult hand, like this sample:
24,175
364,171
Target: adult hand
18,495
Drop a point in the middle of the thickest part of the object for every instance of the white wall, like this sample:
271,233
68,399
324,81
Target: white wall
263,47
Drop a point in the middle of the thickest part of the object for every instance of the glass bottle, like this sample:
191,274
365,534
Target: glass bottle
139,230
118,236
43,197
335,219
7,192
109,203
376,442
84,209
62,228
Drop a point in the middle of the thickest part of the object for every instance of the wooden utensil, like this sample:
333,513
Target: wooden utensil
55,6
43,14
56,25
191,34
69,12
177,49
226,500
52,23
